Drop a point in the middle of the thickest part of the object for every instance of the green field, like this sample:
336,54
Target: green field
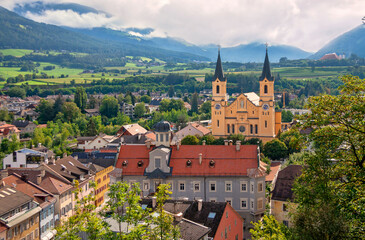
15,52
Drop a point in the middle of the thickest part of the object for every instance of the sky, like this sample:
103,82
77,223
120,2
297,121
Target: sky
307,24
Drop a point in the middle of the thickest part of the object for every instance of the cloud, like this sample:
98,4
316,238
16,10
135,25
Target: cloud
308,24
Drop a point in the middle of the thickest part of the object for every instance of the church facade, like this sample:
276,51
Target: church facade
249,114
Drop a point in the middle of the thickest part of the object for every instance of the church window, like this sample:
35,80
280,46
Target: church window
265,124
227,128
232,128
251,129
265,89
217,88
242,104
218,123
256,129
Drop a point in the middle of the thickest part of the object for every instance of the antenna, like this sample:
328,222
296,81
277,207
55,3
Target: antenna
219,47
266,44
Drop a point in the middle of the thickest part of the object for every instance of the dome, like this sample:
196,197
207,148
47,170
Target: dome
163,126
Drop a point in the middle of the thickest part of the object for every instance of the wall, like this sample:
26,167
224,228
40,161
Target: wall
102,179
277,210
47,219
231,225
32,230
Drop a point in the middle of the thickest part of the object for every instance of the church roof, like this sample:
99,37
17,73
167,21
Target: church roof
266,73
219,69
253,97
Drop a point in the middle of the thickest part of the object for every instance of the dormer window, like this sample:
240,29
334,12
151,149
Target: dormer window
188,163
211,163
140,163
157,162
124,163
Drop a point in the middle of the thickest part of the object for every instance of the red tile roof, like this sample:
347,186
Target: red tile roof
227,160
201,128
274,167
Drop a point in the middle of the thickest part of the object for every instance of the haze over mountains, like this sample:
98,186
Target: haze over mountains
134,41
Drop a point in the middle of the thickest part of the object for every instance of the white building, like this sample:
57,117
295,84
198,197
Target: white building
25,158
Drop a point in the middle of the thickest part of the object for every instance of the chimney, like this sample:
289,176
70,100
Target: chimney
76,157
230,142
200,158
139,136
39,179
43,173
226,142
238,145
178,144
200,204
39,144
154,202
148,144
204,142
64,154
178,217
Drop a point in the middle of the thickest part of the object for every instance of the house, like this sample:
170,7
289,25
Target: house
192,129
19,214
131,129
330,56
92,112
274,170
45,199
102,180
127,109
40,148
103,159
25,158
282,196
7,131
224,173
95,142
25,126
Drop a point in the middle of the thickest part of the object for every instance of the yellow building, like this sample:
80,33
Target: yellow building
251,115
102,180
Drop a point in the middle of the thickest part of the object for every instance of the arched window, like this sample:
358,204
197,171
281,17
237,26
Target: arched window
227,128
265,89
217,88
232,128
242,104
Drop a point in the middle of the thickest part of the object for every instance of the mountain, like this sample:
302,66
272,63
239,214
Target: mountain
39,7
351,42
19,32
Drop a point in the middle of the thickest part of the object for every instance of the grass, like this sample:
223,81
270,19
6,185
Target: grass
16,52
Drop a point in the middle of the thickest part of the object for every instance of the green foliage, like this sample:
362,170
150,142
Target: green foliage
236,137
206,107
194,103
286,116
140,110
275,149
5,115
190,140
293,140
8,146
109,107
209,139
167,105
45,109
16,92
91,128
80,98
269,228
70,111
146,99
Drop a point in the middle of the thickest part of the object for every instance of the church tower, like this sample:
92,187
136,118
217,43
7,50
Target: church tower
219,99
267,102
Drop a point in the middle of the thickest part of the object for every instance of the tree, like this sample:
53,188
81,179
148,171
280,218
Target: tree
70,111
92,102
194,103
286,116
45,110
206,107
139,110
171,91
209,139
269,228
236,137
91,128
80,98
146,99
121,119
16,92
293,140
109,107
190,140
57,107
339,134
275,149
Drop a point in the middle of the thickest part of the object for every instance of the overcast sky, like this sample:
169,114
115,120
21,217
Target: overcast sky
307,24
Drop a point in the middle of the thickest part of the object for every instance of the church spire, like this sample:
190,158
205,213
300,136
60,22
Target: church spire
266,69
219,69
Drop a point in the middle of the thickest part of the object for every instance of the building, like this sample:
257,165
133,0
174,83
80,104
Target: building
212,173
25,126
102,180
94,142
19,214
282,196
45,199
127,109
194,129
131,129
92,112
7,131
250,114
25,158
331,56
101,158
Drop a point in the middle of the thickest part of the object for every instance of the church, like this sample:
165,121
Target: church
249,114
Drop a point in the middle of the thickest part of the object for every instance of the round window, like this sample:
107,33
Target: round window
242,129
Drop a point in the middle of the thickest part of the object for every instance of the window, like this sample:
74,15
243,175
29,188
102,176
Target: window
157,137
217,89
171,185
252,204
182,186
157,162
286,223
243,186
161,137
243,203
218,123
242,104
211,215
196,186
285,207
260,203
252,187
227,128
212,199
251,129
236,238
229,201
146,185
225,233
232,128
212,187
265,89
228,186
167,137
256,129
265,124
260,186
227,214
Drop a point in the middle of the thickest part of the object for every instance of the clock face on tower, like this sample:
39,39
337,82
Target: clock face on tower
265,107
217,106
